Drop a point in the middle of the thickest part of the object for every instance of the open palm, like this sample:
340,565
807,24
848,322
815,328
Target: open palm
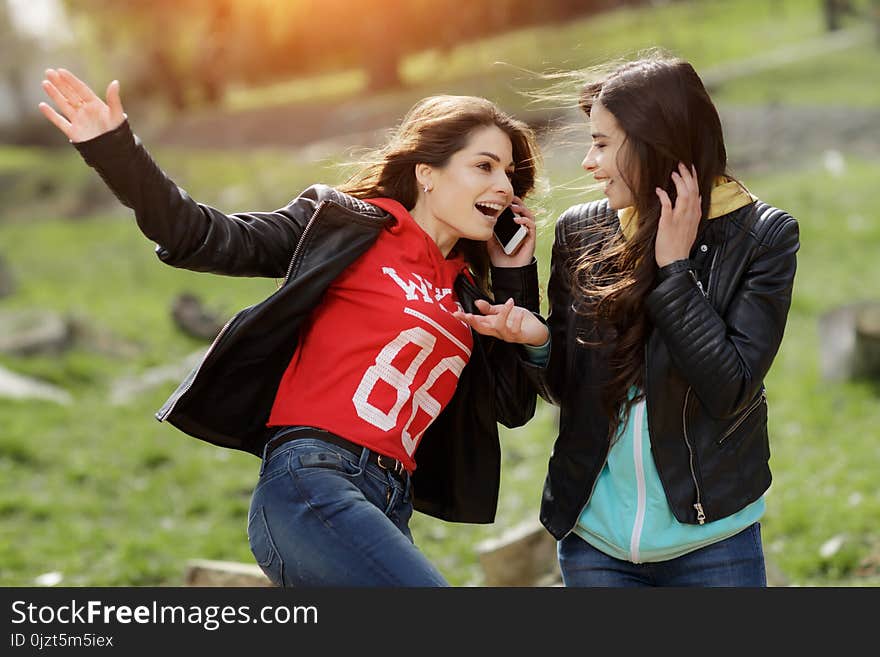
83,115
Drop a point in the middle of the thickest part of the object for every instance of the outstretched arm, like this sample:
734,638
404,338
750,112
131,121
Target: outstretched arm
188,234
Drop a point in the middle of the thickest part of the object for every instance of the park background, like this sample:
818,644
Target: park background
245,103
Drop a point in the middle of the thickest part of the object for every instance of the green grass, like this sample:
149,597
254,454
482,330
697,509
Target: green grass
824,435
706,32
795,84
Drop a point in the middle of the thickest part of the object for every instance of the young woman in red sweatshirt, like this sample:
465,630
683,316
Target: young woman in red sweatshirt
358,383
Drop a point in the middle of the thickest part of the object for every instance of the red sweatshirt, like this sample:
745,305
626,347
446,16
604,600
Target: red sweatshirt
381,355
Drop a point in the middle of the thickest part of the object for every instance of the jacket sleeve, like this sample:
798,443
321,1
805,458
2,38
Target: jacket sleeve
515,398
189,234
725,358
548,380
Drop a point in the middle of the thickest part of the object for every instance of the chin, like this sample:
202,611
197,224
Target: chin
619,204
479,237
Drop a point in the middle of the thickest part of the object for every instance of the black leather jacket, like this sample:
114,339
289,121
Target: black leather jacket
717,323
226,399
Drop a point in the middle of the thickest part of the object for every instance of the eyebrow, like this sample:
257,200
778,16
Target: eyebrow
494,157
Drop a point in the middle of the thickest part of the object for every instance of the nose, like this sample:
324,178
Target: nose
505,186
589,163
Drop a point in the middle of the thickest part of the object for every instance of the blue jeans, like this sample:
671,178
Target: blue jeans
321,516
735,561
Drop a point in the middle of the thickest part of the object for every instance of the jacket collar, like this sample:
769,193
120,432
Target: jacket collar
727,195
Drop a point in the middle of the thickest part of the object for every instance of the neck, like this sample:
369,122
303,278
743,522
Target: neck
443,236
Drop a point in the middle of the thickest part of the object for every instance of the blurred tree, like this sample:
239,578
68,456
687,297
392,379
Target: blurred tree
834,11
152,44
188,51
15,50
875,18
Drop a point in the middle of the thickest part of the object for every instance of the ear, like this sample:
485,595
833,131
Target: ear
424,176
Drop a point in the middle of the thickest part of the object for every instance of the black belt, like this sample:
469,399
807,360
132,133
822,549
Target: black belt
393,466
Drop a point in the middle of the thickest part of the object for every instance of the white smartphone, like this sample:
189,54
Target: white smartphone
509,233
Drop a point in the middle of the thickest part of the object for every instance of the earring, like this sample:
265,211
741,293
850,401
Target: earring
426,189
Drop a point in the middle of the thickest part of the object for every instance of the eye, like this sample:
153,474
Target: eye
485,166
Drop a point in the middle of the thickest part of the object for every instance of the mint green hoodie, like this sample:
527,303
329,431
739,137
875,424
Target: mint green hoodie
628,516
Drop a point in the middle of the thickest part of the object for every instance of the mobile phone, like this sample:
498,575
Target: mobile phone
509,233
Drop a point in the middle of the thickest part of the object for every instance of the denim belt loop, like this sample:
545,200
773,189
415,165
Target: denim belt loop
407,488
263,457
364,458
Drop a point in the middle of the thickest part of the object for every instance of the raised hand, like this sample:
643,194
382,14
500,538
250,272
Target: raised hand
83,114
678,225
507,322
526,251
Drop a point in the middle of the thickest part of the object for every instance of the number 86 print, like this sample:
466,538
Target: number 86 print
401,382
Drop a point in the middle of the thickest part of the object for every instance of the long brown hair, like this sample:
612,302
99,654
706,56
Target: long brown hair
432,131
663,108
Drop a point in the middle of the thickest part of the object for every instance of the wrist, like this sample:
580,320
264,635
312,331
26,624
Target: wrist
674,267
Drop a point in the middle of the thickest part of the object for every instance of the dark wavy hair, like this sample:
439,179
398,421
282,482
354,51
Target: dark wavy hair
667,117
432,131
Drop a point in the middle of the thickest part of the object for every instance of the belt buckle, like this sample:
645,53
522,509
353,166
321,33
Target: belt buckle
396,467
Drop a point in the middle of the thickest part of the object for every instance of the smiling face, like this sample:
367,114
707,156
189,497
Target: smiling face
607,153
467,194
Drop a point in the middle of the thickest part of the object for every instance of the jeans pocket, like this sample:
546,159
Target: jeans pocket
263,547
316,461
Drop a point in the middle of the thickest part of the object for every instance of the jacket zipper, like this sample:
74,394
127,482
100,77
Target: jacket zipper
698,505
742,418
192,379
302,240
709,279
711,269
701,516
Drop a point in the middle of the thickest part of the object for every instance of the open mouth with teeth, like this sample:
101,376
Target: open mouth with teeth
489,209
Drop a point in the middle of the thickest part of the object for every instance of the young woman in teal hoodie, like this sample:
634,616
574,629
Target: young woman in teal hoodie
668,300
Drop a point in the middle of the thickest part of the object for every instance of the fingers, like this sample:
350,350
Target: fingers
114,102
80,89
514,321
504,311
62,84
682,190
506,322
483,306
522,214
59,121
57,97
493,320
687,188
689,179
520,208
679,222
665,204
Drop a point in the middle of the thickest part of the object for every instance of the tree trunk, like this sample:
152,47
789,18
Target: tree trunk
383,69
866,356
